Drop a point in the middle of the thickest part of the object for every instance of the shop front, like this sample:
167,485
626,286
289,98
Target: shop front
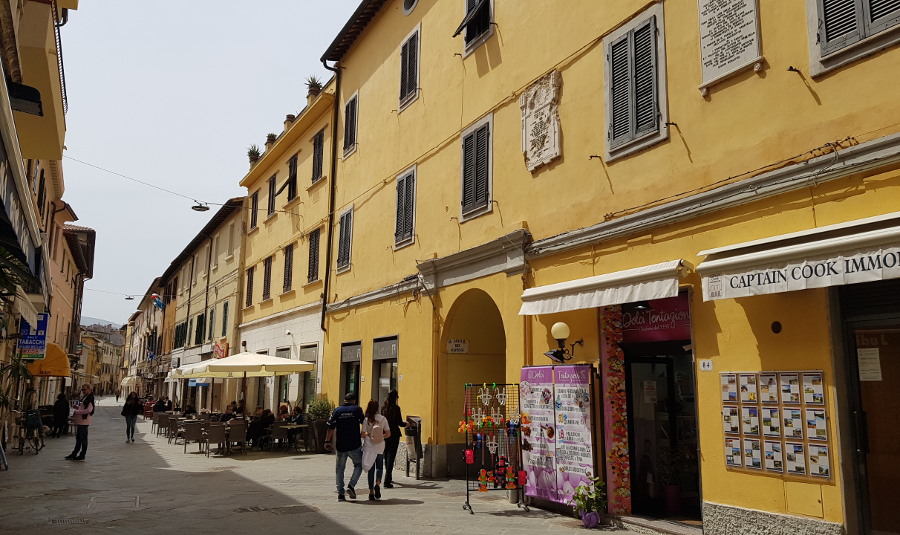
818,418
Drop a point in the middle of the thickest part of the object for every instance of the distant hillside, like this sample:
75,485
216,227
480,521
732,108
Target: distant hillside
87,321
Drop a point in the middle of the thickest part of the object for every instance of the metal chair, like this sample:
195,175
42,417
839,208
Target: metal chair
279,434
215,435
192,432
238,434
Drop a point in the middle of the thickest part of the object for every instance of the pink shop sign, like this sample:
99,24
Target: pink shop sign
666,319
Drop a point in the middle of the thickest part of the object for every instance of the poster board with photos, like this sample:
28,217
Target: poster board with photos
776,422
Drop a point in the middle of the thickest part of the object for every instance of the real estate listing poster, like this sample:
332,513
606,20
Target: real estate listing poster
768,388
813,390
748,388
815,424
729,387
819,465
733,453
752,453
796,458
731,419
790,388
771,421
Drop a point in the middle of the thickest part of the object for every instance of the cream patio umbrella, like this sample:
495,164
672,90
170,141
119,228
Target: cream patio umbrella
243,365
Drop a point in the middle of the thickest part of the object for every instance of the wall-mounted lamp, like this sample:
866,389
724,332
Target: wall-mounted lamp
642,305
560,331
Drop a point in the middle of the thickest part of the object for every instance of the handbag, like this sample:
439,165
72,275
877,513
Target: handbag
124,411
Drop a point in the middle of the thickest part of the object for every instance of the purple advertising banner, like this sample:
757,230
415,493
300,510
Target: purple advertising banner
538,432
574,440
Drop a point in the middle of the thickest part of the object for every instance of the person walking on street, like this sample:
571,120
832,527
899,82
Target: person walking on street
375,430
61,416
84,411
131,410
391,411
118,393
346,420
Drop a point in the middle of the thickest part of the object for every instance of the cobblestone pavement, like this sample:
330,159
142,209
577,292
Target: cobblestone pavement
151,486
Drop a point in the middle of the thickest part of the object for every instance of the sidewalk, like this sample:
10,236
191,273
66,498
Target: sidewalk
152,486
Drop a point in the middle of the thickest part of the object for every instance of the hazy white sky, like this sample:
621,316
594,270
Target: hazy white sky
172,93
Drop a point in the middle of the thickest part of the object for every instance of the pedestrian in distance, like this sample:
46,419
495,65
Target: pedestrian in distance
375,429
345,420
391,411
118,393
84,411
131,410
61,416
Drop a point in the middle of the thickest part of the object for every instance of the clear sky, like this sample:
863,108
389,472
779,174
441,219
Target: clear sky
172,93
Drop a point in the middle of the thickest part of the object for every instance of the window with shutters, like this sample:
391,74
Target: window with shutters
249,288
254,210
345,239
267,278
318,160
635,85
846,30
404,229
270,206
292,178
212,323
288,268
312,272
477,25
225,318
409,69
476,167
350,113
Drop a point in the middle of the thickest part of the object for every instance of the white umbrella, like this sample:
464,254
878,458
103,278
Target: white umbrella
243,365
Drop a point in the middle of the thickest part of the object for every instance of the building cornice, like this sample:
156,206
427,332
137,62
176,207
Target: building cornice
317,305
840,163
505,254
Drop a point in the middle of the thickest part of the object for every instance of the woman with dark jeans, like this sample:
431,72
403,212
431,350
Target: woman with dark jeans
391,411
131,410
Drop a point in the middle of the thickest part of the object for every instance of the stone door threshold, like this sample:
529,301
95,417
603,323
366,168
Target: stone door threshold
652,526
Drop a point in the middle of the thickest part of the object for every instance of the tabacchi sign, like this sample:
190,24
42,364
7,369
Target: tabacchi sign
803,273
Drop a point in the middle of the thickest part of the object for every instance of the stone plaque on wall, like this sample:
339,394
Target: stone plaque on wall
540,121
729,37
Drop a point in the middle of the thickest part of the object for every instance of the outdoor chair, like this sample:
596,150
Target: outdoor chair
162,424
192,432
155,422
278,434
174,429
238,434
215,435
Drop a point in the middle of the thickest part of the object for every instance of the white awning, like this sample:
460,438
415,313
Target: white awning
863,250
638,284
130,380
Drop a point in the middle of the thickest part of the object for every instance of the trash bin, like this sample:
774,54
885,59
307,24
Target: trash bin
413,433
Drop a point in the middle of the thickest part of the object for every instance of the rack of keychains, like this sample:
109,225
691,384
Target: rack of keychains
493,455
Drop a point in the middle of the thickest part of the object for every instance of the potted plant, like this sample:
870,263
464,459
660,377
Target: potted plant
319,410
313,86
253,153
589,502
673,473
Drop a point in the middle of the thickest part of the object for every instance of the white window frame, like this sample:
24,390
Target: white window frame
231,240
662,133
405,101
399,243
820,63
409,6
352,148
346,267
465,216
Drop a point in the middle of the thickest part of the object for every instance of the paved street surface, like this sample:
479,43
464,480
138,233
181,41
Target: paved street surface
152,486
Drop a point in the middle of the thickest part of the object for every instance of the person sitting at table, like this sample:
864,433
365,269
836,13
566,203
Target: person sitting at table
160,405
241,408
283,413
257,414
189,409
257,428
227,415
297,419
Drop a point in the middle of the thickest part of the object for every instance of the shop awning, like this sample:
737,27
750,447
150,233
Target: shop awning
130,380
54,364
863,250
656,281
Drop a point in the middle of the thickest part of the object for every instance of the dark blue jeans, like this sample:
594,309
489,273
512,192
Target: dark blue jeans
130,422
81,440
390,454
375,472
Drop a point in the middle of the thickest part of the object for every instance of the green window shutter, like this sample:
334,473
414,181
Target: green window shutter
254,209
318,155
620,93
404,70
350,124
409,67
225,318
312,272
292,178
404,223
267,278
468,189
288,268
346,223
249,301
645,86
482,165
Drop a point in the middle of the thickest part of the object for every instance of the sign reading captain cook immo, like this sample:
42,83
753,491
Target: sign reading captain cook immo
846,267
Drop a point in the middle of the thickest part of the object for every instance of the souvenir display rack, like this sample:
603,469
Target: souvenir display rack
776,422
493,455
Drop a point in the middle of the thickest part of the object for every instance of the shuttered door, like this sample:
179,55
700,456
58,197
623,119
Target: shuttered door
620,93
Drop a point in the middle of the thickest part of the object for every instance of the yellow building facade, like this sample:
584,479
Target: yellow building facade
285,219
705,196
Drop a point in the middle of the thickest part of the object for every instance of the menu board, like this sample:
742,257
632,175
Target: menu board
538,432
557,431
574,450
776,422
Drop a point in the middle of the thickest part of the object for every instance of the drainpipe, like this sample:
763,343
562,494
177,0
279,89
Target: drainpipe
334,132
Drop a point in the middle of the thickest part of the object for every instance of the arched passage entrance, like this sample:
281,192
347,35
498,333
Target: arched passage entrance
479,357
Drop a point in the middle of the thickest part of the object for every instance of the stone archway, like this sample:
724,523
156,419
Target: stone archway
475,321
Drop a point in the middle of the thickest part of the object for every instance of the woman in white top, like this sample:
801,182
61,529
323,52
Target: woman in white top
375,429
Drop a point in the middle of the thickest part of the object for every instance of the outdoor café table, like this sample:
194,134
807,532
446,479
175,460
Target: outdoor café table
294,430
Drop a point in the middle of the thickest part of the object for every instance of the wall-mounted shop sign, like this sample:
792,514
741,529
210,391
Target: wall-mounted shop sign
351,352
457,345
384,348
666,319
802,273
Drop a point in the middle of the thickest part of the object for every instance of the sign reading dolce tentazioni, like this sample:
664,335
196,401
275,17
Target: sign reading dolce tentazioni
803,273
